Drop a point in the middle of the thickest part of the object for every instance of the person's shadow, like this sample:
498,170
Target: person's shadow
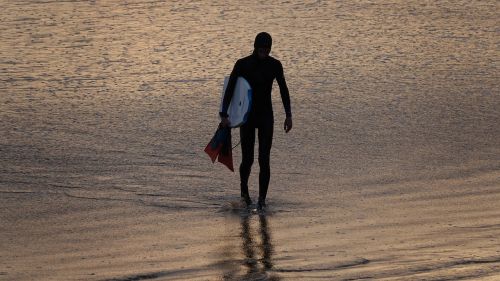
257,250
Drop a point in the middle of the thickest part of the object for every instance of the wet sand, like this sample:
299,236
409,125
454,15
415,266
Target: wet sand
392,170
428,230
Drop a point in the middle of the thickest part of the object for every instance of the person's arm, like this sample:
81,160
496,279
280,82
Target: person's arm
285,98
228,94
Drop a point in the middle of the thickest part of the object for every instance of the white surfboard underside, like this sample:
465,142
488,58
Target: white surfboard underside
240,104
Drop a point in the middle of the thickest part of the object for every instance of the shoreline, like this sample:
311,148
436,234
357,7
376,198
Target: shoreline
439,231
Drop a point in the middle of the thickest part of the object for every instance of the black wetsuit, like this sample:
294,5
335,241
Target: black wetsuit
260,74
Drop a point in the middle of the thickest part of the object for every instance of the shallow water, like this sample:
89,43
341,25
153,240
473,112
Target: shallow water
391,172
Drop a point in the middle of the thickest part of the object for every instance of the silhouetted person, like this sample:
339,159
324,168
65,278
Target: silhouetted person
260,70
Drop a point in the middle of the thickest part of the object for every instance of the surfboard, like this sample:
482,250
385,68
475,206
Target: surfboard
240,104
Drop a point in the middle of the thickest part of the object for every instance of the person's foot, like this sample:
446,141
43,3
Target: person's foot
246,199
261,204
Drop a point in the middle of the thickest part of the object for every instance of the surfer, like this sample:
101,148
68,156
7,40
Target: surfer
260,70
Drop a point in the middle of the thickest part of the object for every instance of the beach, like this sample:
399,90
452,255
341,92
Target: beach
391,170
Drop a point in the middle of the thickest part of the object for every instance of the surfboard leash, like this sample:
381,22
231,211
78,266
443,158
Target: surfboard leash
236,145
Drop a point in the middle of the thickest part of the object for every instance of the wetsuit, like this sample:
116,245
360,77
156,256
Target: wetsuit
260,74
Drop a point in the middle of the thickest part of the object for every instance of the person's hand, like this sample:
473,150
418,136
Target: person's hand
288,124
224,122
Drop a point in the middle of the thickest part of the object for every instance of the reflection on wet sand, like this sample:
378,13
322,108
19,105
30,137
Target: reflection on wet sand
257,251
391,172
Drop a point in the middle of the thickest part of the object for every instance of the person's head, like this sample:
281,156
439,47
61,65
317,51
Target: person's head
262,44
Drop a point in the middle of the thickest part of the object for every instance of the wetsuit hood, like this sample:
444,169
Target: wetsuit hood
263,40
